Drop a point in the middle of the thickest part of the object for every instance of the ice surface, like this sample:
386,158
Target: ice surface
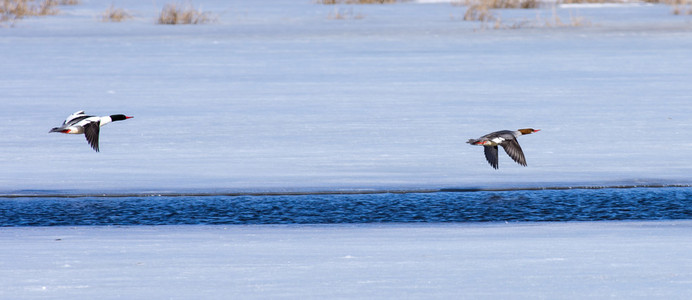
623,260
275,95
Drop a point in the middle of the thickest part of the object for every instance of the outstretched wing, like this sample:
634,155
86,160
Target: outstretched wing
514,151
91,132
491,155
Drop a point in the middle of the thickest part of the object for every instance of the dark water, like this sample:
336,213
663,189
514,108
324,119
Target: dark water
511,206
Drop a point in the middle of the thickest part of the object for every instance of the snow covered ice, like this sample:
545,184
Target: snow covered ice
276,95
623,260
279,96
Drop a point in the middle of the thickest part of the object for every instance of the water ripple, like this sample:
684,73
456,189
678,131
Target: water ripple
497,206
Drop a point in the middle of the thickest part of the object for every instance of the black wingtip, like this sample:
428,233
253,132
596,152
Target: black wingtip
495,166
491,156
94,145
91,132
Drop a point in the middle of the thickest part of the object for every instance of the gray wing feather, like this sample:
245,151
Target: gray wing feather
514,151
91,132
491,155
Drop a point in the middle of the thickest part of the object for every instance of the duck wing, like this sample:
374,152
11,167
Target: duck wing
91,132
491,155
514,151
74,118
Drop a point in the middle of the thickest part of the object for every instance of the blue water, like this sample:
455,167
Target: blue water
482,206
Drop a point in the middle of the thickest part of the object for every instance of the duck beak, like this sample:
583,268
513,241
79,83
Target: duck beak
126,117
536,130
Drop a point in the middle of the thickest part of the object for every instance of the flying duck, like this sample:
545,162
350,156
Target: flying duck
79,122
505,138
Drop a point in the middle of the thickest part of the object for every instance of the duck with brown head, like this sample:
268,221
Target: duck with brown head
505,138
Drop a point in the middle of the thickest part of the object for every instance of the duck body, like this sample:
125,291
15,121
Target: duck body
505,138
79,122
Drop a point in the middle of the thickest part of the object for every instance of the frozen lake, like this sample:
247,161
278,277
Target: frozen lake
276,95
622,260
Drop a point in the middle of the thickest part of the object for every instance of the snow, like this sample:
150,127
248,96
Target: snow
275,95
622,260
603,5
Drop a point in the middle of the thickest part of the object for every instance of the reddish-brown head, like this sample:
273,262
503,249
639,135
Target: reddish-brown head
528,130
